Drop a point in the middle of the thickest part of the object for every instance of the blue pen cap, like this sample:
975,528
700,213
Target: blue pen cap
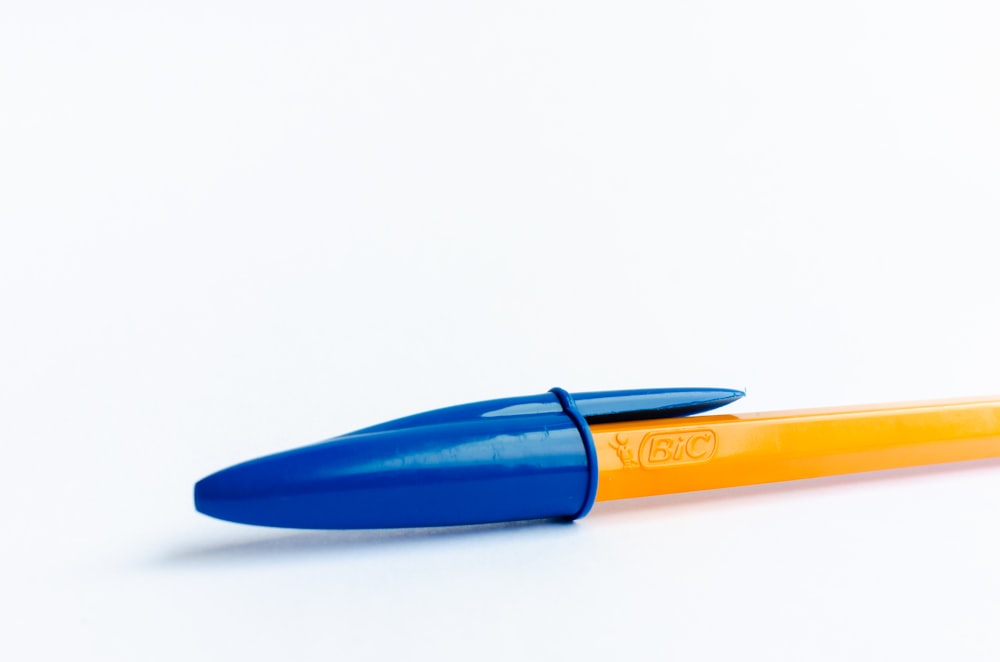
502,460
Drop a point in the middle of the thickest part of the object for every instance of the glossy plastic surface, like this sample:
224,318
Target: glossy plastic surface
595,406
500,460
705,452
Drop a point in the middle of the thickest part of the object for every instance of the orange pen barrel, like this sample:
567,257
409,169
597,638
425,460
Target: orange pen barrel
665,456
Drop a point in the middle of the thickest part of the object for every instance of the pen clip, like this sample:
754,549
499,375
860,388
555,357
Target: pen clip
637,405
594,406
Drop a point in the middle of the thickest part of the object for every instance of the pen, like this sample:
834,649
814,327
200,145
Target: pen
552,455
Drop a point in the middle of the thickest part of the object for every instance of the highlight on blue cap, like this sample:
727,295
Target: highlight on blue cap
500,460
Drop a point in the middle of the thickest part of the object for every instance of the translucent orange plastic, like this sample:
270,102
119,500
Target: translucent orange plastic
643,458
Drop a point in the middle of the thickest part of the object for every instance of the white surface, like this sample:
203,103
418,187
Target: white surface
234,228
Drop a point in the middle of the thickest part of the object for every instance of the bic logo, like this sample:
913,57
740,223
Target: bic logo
660,449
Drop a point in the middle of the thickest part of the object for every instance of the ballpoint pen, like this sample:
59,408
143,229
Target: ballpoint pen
552,455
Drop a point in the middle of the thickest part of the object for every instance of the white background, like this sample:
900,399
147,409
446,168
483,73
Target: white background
234,228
